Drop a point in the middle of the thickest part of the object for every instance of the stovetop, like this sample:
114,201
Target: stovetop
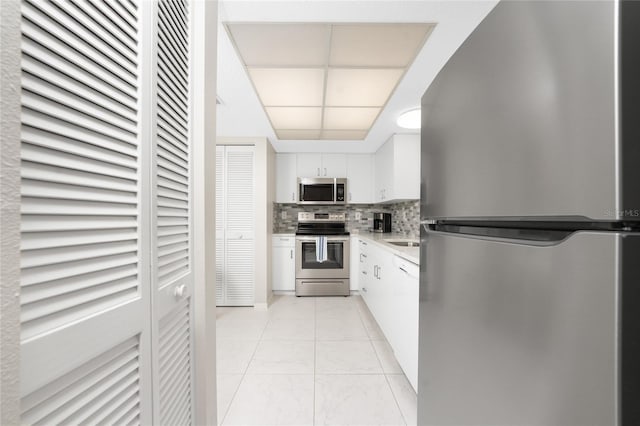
321,224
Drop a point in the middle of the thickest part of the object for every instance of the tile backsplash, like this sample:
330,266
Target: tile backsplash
405,216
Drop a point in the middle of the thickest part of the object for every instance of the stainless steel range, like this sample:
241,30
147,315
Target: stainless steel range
322,255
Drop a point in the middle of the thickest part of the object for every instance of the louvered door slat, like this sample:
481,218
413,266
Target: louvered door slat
82,404
239,272
74,238
171,29
173,248
175,364
58,78
123,401
166,134
58,175
170,113
40,45
169,153
125,23
240,196
90,108
62,398
71,117
101,31
34,293
172,230
67,70
178,60
177,11
50,152
40,26
47,223
172,90
92,47
114,26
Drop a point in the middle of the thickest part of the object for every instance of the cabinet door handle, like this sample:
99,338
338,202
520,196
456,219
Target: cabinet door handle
292,254
318,171
293,196
379,277
375,271
350,197
325,171
364,289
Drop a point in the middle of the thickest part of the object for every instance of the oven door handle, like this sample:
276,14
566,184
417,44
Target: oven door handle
313,240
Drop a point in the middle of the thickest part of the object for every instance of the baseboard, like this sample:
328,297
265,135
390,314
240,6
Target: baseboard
284,292
260,306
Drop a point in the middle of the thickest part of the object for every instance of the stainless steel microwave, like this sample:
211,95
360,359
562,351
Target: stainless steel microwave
322,190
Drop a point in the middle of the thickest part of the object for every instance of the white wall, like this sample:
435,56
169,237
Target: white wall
271,197
10,213
264,195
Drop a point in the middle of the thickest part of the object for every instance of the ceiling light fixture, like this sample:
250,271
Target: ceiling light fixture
410,119
327,81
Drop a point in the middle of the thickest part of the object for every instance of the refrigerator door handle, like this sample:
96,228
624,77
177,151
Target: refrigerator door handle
529,237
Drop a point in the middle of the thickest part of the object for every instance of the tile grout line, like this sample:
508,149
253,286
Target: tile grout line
315,340
382,367
244,373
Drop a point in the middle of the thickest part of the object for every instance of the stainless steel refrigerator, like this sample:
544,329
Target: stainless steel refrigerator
530,253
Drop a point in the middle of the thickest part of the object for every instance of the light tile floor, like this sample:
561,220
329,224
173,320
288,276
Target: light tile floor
307,361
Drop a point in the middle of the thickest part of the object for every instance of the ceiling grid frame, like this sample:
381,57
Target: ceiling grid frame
339,133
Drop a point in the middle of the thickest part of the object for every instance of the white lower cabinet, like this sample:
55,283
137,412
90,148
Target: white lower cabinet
283,269
404,299
389,285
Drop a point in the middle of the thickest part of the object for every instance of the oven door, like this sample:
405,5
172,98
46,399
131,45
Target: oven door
336,265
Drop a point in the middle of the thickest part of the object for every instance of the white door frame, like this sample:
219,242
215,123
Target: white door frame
10,37
205,19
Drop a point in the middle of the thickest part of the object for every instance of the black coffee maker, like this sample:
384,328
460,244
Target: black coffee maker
382,222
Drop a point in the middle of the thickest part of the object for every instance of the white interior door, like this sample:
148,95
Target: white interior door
235,220
220,225
172,273
85,329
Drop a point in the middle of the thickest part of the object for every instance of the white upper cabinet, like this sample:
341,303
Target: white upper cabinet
322,165
334,165
286,178
360,178
397,169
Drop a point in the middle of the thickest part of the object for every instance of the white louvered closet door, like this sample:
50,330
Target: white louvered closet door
238,225
172,275
220,224
85,329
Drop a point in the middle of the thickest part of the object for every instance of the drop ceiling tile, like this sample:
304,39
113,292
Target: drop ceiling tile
298,134
380,45
344,134
288,86
281,45
344,118
295,117
360,87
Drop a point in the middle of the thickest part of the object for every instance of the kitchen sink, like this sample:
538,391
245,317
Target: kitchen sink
403,243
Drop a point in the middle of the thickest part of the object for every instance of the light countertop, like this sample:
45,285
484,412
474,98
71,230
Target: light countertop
412,254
